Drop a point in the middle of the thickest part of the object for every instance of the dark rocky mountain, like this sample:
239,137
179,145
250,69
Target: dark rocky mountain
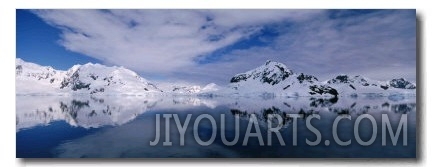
401,83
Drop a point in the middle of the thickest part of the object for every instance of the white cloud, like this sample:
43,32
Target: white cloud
157,41
380,45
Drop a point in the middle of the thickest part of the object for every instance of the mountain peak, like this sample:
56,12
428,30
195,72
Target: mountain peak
273,63
88,78
271,76
344,78
268,61
402,84
90,64
271,72
18,60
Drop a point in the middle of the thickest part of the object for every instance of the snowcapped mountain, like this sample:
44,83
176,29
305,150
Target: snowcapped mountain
187,89
33,78
96,78
80,79
268,80
275,79
401,83
346,84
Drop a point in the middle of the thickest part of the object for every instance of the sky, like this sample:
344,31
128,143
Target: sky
203,46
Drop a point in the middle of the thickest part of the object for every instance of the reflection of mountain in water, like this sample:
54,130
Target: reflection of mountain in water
403,108
83,112
92,112
308,106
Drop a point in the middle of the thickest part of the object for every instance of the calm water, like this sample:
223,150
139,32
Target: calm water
56,126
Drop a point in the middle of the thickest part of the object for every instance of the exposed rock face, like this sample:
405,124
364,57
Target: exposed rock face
402,84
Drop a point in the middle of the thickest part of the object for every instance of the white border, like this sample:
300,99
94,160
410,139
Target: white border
7,87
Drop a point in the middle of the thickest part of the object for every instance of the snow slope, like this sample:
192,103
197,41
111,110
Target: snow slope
268,80
275,79
35,79
354,85
80,79
100,79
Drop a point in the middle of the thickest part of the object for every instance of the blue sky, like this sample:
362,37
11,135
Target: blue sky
38,42
202,46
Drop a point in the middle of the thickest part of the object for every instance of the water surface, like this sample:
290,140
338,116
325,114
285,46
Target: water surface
123,126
